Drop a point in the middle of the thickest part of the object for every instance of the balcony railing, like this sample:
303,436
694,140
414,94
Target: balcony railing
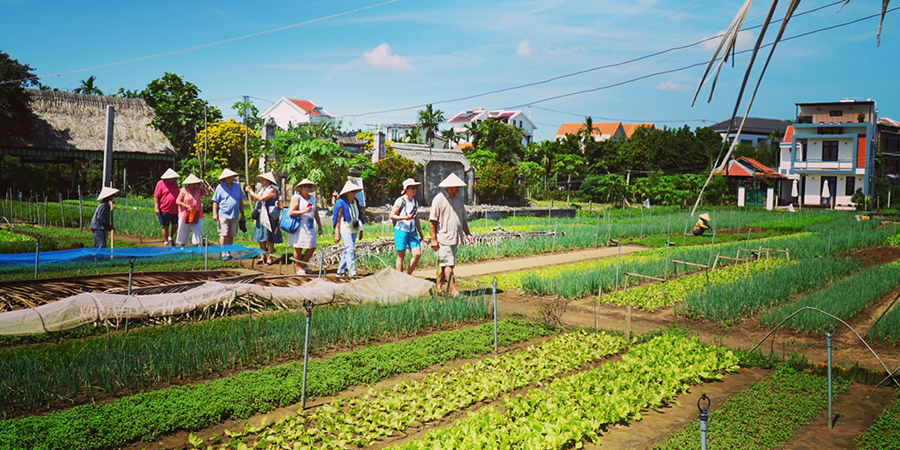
826,118
847,164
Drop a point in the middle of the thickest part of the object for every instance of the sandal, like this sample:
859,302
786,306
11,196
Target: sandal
261,261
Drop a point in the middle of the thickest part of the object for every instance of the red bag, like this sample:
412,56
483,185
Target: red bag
192,216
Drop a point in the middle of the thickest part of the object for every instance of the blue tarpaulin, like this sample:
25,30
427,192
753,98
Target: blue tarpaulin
92,254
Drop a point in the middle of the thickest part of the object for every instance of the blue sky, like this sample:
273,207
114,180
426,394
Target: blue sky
411,52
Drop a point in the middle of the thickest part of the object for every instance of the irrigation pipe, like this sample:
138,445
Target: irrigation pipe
888,371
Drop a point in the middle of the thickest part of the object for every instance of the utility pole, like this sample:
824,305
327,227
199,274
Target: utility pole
205,143
246,139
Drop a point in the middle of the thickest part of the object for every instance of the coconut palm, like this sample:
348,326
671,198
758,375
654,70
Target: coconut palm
727,47
429,119
87,87
449,136
587,128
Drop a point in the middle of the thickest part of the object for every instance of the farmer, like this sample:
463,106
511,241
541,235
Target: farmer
407,230
227,208
348,221
190,211
266,231
100,223
303,240
164,203
448,224
702,225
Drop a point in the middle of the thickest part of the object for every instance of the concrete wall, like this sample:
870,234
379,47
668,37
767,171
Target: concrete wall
435,172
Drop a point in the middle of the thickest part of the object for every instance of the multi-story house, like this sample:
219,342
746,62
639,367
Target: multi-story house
288,111
833,144
469,117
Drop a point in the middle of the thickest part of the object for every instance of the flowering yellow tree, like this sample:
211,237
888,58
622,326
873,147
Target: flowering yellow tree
225,146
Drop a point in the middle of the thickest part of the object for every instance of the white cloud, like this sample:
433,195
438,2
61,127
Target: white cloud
524,48
744,41
673,86
382,58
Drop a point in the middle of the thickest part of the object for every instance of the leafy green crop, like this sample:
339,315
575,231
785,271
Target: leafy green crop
885,432
573,409
360,421
765,415
148,415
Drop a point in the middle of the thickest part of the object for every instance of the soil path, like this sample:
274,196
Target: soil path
516,264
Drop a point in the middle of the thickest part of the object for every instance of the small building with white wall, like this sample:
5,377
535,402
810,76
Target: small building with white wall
288,112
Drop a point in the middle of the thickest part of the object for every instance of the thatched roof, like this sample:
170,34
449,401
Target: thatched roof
71,125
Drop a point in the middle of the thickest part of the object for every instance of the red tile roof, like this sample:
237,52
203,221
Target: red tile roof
737,170
630,128
605,128
788,134
307,106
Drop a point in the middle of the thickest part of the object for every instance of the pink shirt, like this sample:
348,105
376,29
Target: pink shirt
166,193
191,197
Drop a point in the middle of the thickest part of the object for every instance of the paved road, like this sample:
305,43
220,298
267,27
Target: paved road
475,270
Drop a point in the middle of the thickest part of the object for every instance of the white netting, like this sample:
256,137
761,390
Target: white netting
386,286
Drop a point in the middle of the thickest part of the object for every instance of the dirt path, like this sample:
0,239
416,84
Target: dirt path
854,411
480,269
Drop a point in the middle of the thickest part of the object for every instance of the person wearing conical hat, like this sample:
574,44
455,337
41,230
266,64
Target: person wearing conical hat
407,230
449,226
101,224
266,230
227,208
303,239
348,222
702,225
190,211
164,203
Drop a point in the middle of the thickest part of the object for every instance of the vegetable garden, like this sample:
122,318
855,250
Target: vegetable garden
439,382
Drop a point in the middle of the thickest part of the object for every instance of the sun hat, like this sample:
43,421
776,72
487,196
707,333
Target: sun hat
169,174
305,182
705,217
191,179
349,187
227,173
268,176
409,182
106,193
452,181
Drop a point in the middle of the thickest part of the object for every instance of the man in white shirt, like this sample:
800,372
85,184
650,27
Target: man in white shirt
448,226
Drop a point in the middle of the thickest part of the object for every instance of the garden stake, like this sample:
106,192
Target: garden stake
37,253
597,233
642,222
828,329
130,274
308,307
669,224
850,237
668,243
206,253
628,321
684,237
829,240
597,309
704,417
321,260
618,256
494,294
554,235
749,230
711,246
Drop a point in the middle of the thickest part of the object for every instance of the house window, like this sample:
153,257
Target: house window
746,142
801,144
850,187
835,113
829,150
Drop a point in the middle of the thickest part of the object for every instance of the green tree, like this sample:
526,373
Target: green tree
15,113
250,111
87,87
179,110
429,119
449,137
323,162
385,181
497,183
225,145
127,93
503,140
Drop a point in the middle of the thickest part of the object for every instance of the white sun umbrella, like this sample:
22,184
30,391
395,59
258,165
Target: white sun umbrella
794,191
826,193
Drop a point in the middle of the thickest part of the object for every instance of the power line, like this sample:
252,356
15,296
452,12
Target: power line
620,119
211,44
580,72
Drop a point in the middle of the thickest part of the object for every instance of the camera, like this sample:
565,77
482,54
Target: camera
356,224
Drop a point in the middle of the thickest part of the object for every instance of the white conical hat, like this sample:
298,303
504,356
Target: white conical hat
106,193
268,176
452,181
705,217
191,179
305,182
227,173
349,187
169,174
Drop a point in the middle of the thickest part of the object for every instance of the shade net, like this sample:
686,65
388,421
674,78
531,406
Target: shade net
386,286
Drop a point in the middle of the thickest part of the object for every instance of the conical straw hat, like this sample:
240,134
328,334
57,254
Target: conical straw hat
705,217
191,179
106,193
305,182
349,187
268,176
227,173
169,174
452,181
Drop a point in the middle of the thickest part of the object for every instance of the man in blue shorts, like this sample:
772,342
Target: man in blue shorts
407,231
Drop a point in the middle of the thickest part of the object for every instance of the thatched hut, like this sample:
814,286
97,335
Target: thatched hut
71,129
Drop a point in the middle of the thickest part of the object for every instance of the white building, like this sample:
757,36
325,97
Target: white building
289,111
831,142
473,116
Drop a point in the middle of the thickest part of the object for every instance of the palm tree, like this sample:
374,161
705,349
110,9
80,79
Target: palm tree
587,130
471,129
449,135
87,87
412,136
429,119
